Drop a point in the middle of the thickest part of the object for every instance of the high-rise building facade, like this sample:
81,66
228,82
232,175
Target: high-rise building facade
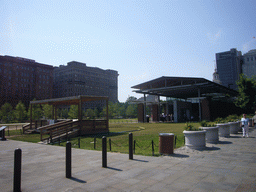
24,79
76,78
229,67
249,63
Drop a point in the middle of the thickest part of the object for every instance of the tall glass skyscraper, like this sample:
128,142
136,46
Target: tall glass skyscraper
229,67
249,64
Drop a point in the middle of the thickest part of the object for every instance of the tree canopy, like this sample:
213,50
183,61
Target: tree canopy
247,94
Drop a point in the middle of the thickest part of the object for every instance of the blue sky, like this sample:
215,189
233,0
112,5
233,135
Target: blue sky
142,40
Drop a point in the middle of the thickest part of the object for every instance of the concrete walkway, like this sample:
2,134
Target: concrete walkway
227,166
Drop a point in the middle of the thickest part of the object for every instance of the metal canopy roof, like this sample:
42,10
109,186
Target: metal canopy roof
69,100
182,87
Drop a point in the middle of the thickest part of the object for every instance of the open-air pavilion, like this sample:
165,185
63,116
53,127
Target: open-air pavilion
71,127
182,91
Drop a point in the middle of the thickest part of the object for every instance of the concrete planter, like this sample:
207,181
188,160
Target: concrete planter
239,126
212,134
224,129
195,139
234,127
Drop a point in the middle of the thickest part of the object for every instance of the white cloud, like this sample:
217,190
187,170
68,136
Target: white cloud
213,38
249,45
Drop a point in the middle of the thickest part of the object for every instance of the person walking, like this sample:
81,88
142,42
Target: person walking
245,125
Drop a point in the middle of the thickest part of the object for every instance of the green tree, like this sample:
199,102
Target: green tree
63,113
47,111
7,115
89,113
96,112
131,110
130,99
36,112
73,112
247,93
111,112
121,110
20,112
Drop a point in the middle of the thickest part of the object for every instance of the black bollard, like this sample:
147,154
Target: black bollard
68,160
104,151
130,146
17,171
79,142
94,142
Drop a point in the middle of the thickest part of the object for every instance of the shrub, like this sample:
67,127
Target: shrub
220,120
232,118
205,123
190,127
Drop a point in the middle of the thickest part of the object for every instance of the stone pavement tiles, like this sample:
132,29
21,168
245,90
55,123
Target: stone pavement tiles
229,165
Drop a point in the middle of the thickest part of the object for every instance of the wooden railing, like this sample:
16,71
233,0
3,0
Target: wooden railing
35,124
27,127
94,126
59,130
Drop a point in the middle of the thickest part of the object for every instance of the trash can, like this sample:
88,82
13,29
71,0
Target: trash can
166,143
147,118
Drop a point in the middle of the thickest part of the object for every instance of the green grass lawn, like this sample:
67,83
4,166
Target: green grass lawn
143,134
17,135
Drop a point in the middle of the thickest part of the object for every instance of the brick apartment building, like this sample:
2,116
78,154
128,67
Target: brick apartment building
23,80
76,78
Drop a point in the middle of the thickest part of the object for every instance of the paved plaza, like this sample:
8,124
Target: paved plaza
229,165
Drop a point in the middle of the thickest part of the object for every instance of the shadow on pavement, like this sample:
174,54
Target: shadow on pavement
235,136
115,169
140,160
211,148
179,155
225,142
77,180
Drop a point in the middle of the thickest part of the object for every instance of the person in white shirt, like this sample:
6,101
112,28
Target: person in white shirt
245,125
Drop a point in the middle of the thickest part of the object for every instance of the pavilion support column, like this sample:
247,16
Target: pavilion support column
154,113
144,110
199,105
175,111
167,107
159,109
